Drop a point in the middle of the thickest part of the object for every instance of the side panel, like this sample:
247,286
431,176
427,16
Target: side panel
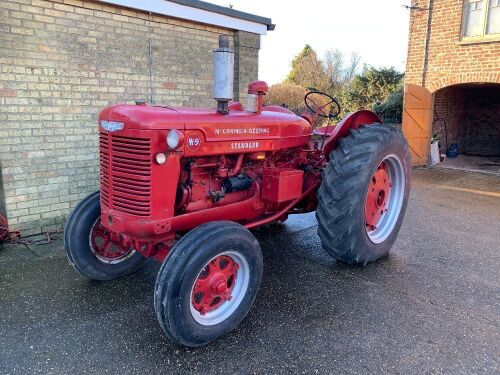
417,119
196,144
244,132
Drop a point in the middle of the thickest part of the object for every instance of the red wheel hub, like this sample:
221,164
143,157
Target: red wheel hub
214,284
377,197
4,229
106,245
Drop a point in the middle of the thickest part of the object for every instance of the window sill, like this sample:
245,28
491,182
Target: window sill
479,40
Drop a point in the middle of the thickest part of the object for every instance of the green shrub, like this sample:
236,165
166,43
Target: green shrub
391,110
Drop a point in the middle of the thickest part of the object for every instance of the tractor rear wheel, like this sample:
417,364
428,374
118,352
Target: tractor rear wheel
364,193
208,283
93,250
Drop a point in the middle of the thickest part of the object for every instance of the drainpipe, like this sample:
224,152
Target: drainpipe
427,41
3,209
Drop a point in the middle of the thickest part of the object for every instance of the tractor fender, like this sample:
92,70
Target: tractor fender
352,121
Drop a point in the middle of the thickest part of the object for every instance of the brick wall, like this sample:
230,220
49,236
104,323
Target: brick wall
482,121
449,61
449,114
247,50
60,63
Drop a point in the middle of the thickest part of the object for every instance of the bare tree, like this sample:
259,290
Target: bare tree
339,72
353,67
334,67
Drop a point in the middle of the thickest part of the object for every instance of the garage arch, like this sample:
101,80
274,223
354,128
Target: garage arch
468,114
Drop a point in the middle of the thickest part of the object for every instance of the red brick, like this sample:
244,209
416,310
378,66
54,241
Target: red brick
169,85
7,93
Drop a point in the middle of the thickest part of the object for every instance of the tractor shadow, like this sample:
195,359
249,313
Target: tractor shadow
302,288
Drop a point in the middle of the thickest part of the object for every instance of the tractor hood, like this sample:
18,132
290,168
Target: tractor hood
273,122
141,117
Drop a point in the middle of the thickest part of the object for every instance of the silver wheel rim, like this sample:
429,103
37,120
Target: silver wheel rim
395,200
239,291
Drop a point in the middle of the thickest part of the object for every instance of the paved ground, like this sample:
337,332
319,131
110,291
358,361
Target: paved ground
432,306
473,164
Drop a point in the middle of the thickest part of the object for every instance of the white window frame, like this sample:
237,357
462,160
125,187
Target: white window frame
484,36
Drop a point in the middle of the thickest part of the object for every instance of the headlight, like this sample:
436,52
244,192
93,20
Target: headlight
173,139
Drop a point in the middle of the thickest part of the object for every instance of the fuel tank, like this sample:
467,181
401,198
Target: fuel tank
207,132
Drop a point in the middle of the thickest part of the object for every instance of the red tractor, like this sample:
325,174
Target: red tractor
185,185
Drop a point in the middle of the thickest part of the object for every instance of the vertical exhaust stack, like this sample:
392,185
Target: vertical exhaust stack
223,60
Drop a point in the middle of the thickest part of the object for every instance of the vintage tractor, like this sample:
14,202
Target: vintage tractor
186,185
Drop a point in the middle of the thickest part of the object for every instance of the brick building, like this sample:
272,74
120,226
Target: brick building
453,77
61,61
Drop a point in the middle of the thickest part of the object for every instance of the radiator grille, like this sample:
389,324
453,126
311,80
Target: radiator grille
126,182
104,169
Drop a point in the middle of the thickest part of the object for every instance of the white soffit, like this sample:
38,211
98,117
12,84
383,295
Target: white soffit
171,9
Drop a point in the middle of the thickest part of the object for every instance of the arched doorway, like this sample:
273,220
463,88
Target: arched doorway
468,115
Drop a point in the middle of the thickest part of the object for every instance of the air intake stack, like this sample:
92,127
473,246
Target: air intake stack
223,60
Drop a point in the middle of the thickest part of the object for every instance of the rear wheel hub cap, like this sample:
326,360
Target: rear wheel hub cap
384,199
378,194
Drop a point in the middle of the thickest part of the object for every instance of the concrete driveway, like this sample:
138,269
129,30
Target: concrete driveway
432,306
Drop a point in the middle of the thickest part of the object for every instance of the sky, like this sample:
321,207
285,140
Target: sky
376,29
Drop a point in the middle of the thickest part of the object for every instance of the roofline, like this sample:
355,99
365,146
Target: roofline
202,12
227,11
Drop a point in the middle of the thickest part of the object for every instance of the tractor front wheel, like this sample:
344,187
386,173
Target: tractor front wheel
95,252
363,196
208,283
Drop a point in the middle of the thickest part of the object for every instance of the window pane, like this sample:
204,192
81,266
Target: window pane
493,25
474,17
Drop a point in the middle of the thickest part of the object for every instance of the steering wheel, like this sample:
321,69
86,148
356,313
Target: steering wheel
329,110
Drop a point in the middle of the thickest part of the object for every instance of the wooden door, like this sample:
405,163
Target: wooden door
417,119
